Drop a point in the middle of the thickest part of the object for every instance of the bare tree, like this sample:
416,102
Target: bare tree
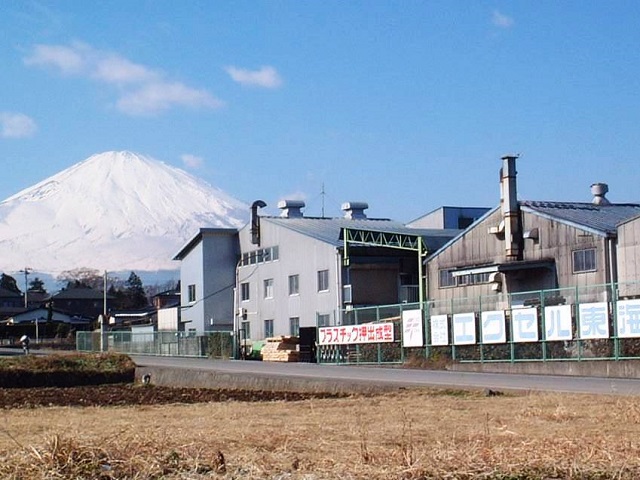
81,277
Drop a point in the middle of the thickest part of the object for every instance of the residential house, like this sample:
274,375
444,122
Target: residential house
10,303
82,301
166,299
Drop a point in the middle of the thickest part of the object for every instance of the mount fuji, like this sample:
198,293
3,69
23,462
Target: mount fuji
115,211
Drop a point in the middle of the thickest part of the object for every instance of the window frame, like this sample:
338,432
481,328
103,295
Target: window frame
246,326
191,293
447,275
245,292
294,281
294,326
268,328
267,284
581,264
323,280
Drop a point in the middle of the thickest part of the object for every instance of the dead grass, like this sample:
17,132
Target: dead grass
417,434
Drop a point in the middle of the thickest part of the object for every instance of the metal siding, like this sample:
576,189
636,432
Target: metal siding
298,254
192,273
220,258
557,240
629,257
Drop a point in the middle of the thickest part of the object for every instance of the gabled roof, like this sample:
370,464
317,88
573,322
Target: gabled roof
328,230
40,314
81,293
600,219
4,293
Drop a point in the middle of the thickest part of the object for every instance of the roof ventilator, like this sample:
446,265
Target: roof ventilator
291,208
354,210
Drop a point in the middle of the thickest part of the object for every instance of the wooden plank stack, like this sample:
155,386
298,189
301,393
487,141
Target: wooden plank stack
281,349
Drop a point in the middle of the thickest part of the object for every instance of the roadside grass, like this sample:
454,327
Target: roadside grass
69,362
412,434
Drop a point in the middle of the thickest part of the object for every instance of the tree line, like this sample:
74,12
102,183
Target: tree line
129,294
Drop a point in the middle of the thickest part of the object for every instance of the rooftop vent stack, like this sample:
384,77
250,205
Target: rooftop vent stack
599,190
291,208
354,210
510,213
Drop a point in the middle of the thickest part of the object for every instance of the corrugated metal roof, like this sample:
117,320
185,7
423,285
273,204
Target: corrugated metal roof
601,218
328,229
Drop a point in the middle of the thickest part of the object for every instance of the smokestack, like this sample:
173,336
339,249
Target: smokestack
291,208
255,221
510,209
599,190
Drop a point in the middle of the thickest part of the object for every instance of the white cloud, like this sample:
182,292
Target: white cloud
69,60
501,20
116,69
16,125
192,161
266,77
140,90
157,97
295,196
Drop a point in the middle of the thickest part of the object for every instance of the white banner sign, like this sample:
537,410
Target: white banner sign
524,324
439,330
594,320
557,323
493,327
464,328
628,318
412,328
349,334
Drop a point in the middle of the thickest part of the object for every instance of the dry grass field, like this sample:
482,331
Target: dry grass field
410,434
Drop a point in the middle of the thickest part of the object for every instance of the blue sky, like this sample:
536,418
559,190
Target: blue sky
407,105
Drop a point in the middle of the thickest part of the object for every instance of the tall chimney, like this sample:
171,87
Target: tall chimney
599,190
255,221
510,210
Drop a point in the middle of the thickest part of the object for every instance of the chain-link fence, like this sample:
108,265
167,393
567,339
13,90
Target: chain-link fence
166,343
593,322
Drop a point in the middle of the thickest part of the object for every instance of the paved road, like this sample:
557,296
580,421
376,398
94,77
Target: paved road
404,377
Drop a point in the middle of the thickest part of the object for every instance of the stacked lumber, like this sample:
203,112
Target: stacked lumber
280,349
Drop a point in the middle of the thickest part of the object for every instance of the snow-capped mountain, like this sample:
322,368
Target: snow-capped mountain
114,211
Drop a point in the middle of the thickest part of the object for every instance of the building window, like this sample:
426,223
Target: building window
268,288
262,255
268,328
191,292
446,279
323,280
294,284
246,327
324,320
244,292
584,260
294,326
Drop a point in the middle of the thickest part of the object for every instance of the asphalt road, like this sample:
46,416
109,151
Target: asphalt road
404,377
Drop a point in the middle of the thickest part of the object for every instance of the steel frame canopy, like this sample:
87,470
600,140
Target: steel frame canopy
400,241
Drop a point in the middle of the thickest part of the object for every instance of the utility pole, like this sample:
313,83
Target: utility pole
26,272
103,317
